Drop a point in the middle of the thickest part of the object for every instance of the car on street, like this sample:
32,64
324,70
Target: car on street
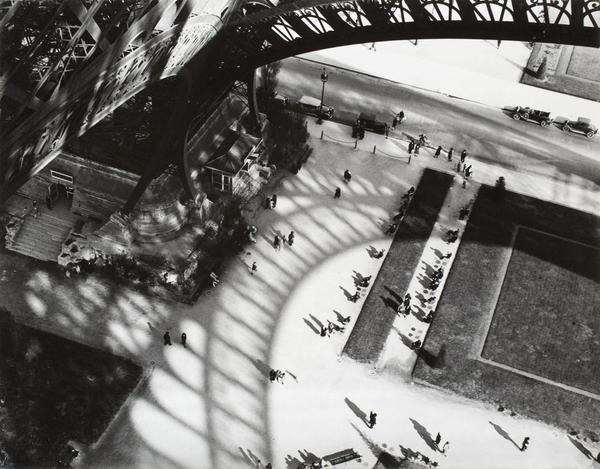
582,125
312,107
532,115
368,121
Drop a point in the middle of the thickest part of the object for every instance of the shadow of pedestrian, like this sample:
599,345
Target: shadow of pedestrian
372,252
389,302
341,319
292,462
438,253
580,447
247,458
405,340
312,326
262,367
308,457
347,294
317,322
423,433
396,296
504,434
357,411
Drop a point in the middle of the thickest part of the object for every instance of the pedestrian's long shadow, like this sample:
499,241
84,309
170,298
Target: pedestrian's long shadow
396,296
504,434
357,410
424,433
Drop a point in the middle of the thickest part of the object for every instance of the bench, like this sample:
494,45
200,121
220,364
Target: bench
341,456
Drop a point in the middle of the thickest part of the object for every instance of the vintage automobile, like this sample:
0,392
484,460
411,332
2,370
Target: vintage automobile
369,121
312,106
582,125
533,115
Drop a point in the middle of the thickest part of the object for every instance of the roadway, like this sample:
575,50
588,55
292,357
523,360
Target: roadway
489,134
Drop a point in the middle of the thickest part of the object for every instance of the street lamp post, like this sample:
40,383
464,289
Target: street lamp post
324,78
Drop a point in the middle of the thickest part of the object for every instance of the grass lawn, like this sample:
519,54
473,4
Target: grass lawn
374,323
55,390
550,293
470,298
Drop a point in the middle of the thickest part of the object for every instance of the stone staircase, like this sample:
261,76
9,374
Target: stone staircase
41,237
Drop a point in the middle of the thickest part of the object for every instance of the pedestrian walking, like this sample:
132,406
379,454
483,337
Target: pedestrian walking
458,167
183,338
338,193
450,153
525,443
268,202
411,147
416,345
417,147
253,269
323,331
394,122
387,130
291,238
272,375
35,209
379,254
438,152
372,419
400,117
274,201
463,156
167,338
277,242
347,176
407,299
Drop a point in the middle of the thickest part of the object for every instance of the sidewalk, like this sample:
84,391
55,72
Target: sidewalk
493,82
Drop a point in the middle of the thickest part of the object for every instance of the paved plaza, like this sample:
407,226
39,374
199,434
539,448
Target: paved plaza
211,405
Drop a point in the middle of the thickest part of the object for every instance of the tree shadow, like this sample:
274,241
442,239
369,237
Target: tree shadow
424,433
504,434
357,411
588,454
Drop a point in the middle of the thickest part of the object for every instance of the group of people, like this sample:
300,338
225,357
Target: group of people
276,375
271,202
406,198
167,339
282,239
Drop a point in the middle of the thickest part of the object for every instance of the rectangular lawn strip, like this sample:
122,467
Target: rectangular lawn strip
55,390
376,318
543,304
469,298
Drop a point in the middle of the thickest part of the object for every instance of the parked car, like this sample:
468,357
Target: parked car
582,125
312,107
369,122
533,115
280,100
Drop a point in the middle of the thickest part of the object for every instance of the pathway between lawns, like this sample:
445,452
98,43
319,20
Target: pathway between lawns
377,316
